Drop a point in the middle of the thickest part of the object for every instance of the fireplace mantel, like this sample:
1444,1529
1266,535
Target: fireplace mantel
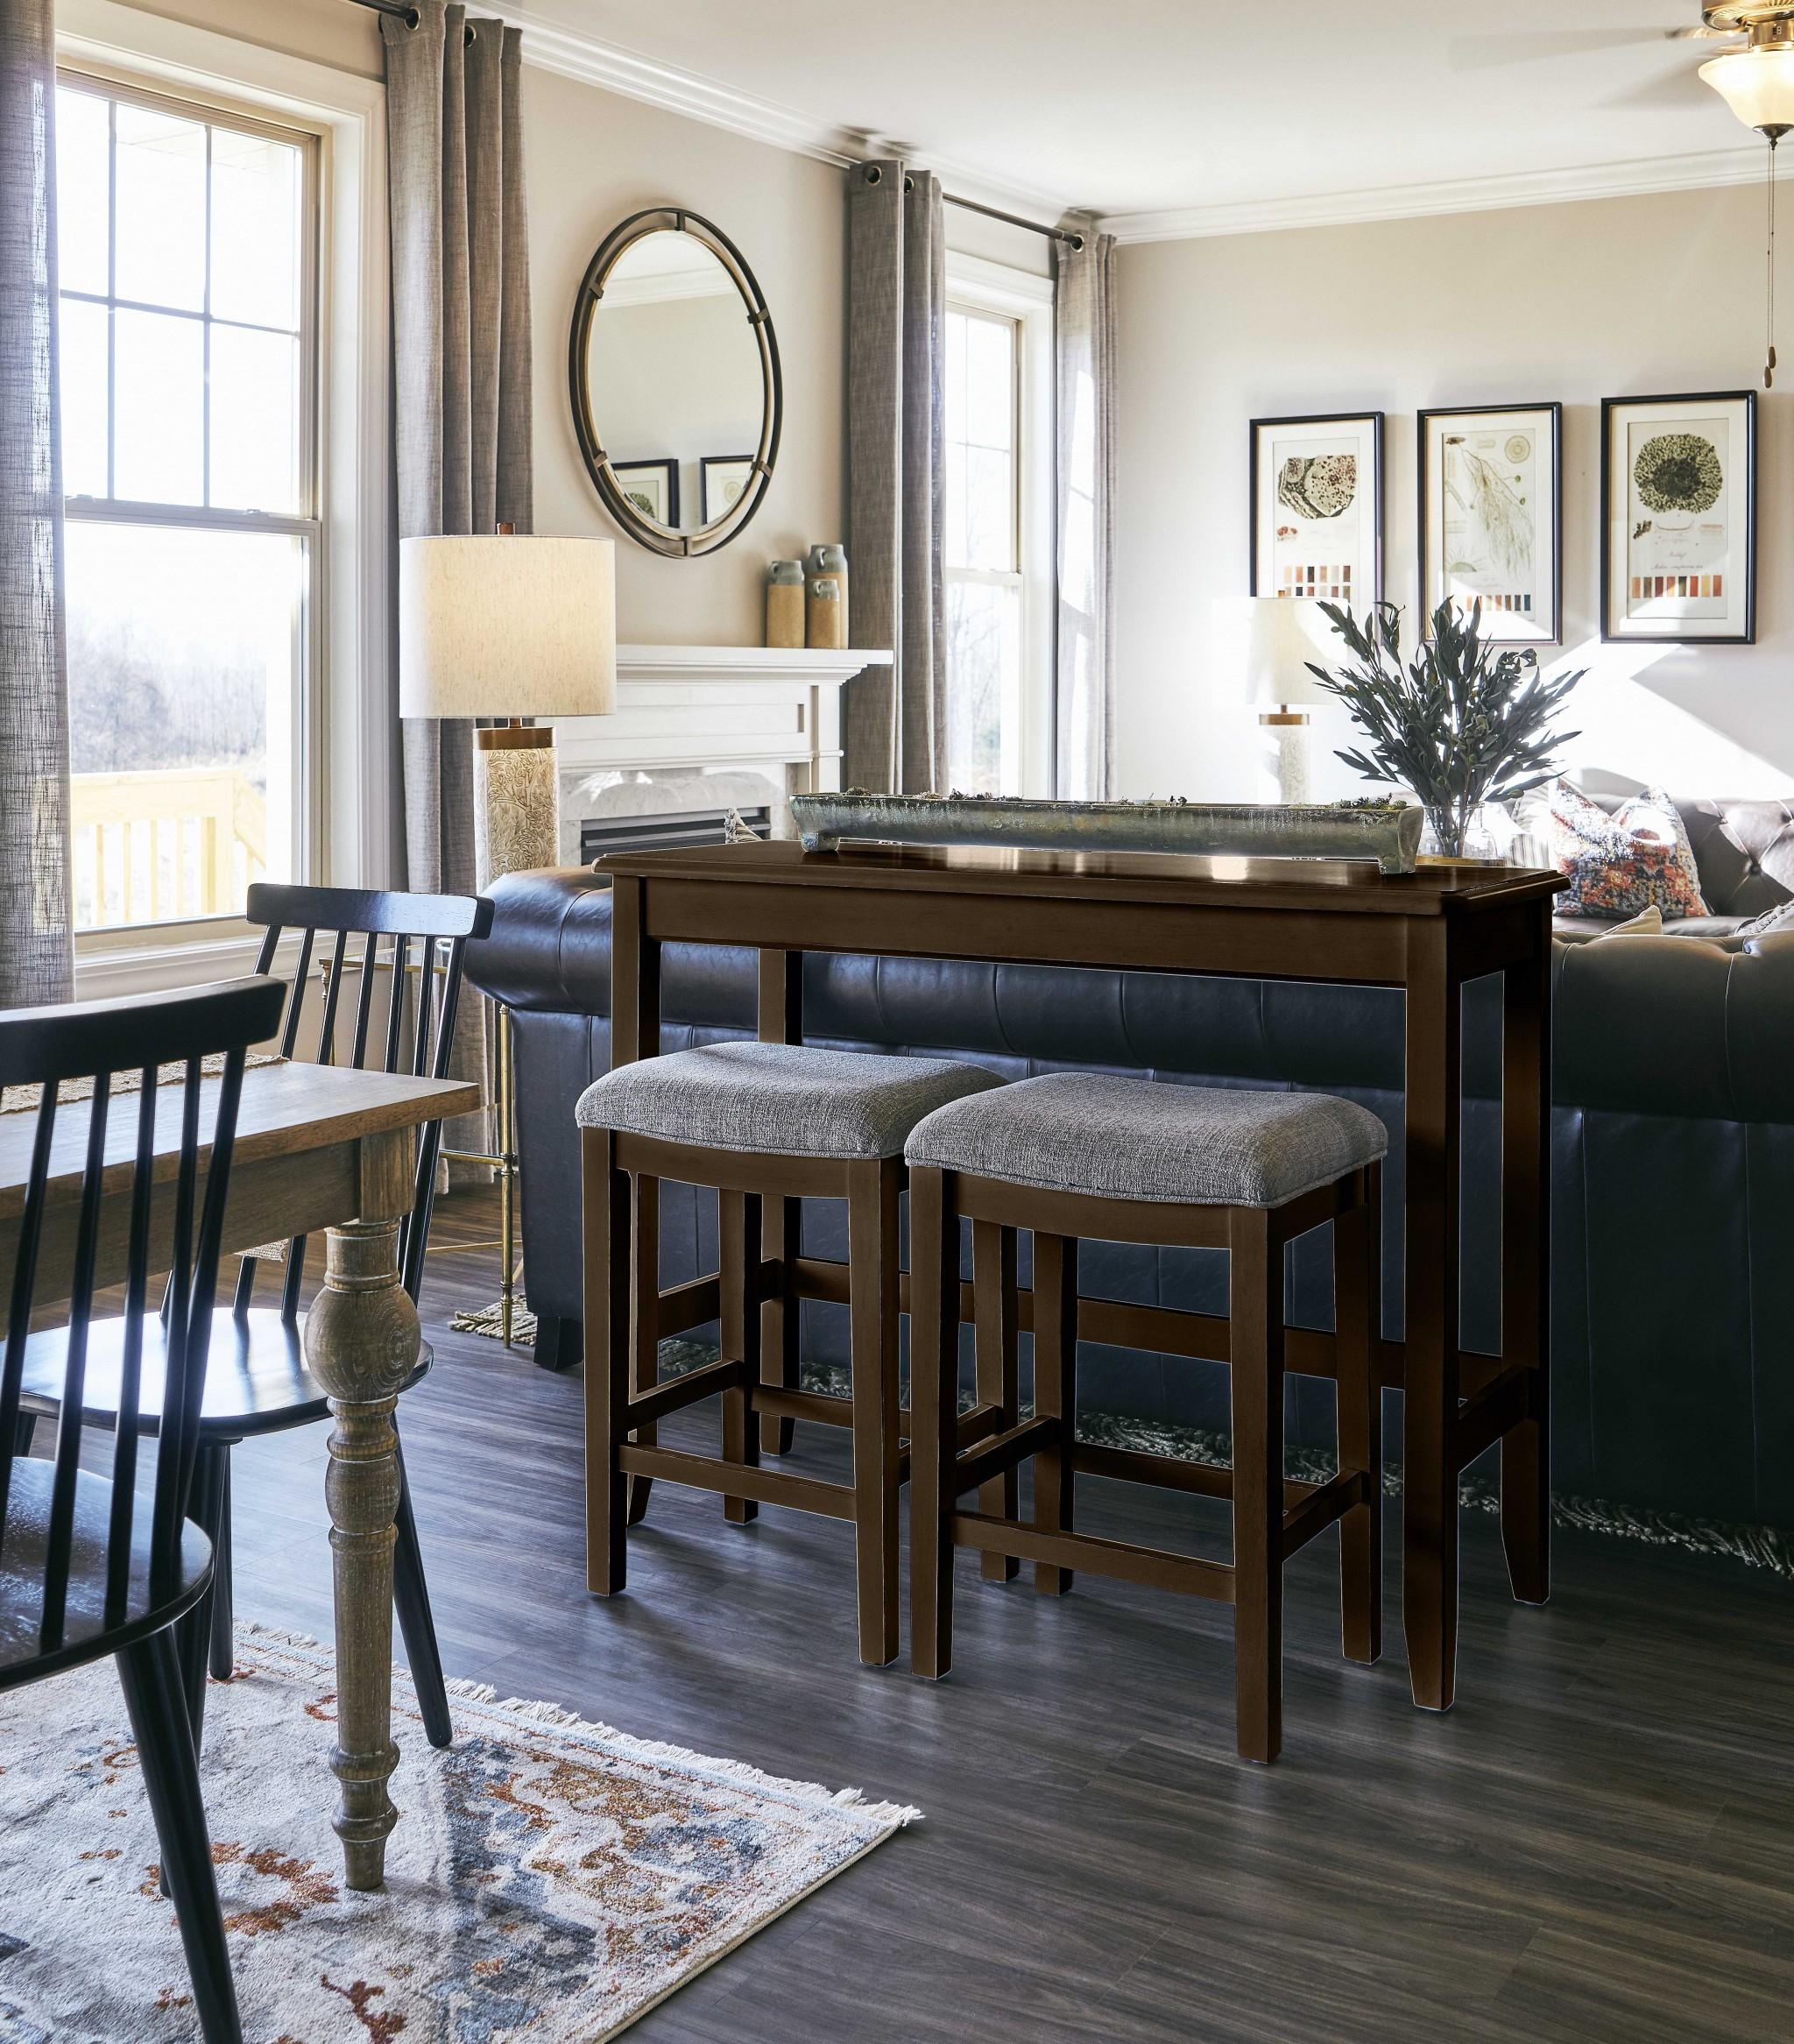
770,714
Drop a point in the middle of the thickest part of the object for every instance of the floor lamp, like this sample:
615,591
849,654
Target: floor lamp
499,625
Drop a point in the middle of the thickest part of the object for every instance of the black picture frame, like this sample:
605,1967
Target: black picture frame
1672,402
707,462
1424,526
1369,423
667,469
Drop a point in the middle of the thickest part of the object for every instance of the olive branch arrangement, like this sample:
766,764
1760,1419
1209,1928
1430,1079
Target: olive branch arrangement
1465,723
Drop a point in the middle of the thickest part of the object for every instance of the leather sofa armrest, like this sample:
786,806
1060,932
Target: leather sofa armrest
550,946
1678,1026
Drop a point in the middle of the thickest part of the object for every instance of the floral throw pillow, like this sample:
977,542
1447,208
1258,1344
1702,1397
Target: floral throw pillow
1637,858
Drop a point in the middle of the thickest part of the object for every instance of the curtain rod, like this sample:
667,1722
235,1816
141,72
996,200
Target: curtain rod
402,11
1070,239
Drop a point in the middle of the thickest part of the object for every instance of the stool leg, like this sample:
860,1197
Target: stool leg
738,1230
934,1405
1054,1393
644,1317
999,1369
875,1302
1357,1277
608,1268
1255,1367
781,1322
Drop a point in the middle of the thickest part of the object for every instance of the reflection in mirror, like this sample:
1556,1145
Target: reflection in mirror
675,379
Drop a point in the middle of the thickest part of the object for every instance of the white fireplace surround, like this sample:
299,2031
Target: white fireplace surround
707,727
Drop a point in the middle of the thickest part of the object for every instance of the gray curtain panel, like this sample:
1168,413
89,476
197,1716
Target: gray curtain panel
461,349
461,345
36,953
1085,673
895,722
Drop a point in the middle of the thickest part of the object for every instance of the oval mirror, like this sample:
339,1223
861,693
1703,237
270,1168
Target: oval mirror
675,384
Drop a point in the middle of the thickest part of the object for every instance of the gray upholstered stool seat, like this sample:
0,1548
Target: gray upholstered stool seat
1116,1138
786,1098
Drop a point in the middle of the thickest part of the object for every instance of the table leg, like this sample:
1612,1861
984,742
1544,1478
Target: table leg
1430,1400
1526,1178
361,1342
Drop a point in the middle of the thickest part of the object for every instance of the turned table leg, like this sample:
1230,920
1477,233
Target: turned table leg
360,1342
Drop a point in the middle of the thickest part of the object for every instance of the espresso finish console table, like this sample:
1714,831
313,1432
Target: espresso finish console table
1427,933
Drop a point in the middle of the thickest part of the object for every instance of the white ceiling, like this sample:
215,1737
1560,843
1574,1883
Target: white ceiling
1162,106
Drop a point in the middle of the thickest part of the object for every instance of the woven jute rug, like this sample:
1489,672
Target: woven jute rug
549,1879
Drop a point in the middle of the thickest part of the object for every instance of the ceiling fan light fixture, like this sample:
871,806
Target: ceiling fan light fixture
1758,86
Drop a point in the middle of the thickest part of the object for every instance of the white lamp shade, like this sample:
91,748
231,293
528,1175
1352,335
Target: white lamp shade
1270,640
1758,85
507,625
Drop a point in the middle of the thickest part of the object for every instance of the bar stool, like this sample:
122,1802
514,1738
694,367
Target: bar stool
757,1122
1077,1154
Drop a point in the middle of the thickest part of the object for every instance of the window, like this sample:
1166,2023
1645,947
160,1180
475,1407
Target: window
187,247
997,541
983,554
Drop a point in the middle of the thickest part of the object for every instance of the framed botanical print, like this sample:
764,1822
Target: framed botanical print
1317,508
1491,517
721,478
651,487
1678,519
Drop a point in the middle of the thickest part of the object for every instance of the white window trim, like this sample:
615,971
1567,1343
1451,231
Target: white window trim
352,760
982,286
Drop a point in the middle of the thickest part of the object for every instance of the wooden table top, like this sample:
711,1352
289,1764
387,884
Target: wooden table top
1348,886
286,1108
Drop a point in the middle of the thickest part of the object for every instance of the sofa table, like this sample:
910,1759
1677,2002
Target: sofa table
1427,933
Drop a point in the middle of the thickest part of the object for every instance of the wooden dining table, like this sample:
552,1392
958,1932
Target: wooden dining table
1427,933
319,1147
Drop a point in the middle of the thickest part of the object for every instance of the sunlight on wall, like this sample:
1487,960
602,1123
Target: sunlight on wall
1630,733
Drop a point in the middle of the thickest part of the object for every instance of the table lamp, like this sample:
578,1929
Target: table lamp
1274,638
503,626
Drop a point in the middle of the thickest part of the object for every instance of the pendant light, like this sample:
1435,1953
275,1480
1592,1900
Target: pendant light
1757,83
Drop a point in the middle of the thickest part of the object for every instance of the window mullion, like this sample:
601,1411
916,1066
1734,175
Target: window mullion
206,341
111,296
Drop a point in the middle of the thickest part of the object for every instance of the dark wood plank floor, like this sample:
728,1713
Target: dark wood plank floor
1597,1844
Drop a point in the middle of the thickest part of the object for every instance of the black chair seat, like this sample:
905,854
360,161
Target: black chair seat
87,1633
256,1380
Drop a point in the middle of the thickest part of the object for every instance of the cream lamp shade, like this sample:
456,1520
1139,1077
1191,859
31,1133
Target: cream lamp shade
503,626
1269,639
507,625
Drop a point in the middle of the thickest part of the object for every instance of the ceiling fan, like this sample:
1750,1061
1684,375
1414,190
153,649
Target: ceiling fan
1754,75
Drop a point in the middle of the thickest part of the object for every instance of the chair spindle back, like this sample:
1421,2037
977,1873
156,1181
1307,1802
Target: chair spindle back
440,925
59,1227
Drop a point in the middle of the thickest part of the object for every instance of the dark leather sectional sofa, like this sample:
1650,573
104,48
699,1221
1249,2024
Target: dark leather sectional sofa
1672,1293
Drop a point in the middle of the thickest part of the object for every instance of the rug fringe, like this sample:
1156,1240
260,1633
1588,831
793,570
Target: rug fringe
275,1637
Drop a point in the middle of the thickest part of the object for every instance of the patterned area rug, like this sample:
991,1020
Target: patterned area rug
549,1878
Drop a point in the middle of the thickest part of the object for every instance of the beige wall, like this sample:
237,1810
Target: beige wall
1574,303
595,158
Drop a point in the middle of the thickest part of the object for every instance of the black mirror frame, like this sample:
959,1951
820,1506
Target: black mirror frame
647,532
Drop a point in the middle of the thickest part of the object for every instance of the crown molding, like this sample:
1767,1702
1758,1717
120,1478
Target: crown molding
551,46
1540,188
